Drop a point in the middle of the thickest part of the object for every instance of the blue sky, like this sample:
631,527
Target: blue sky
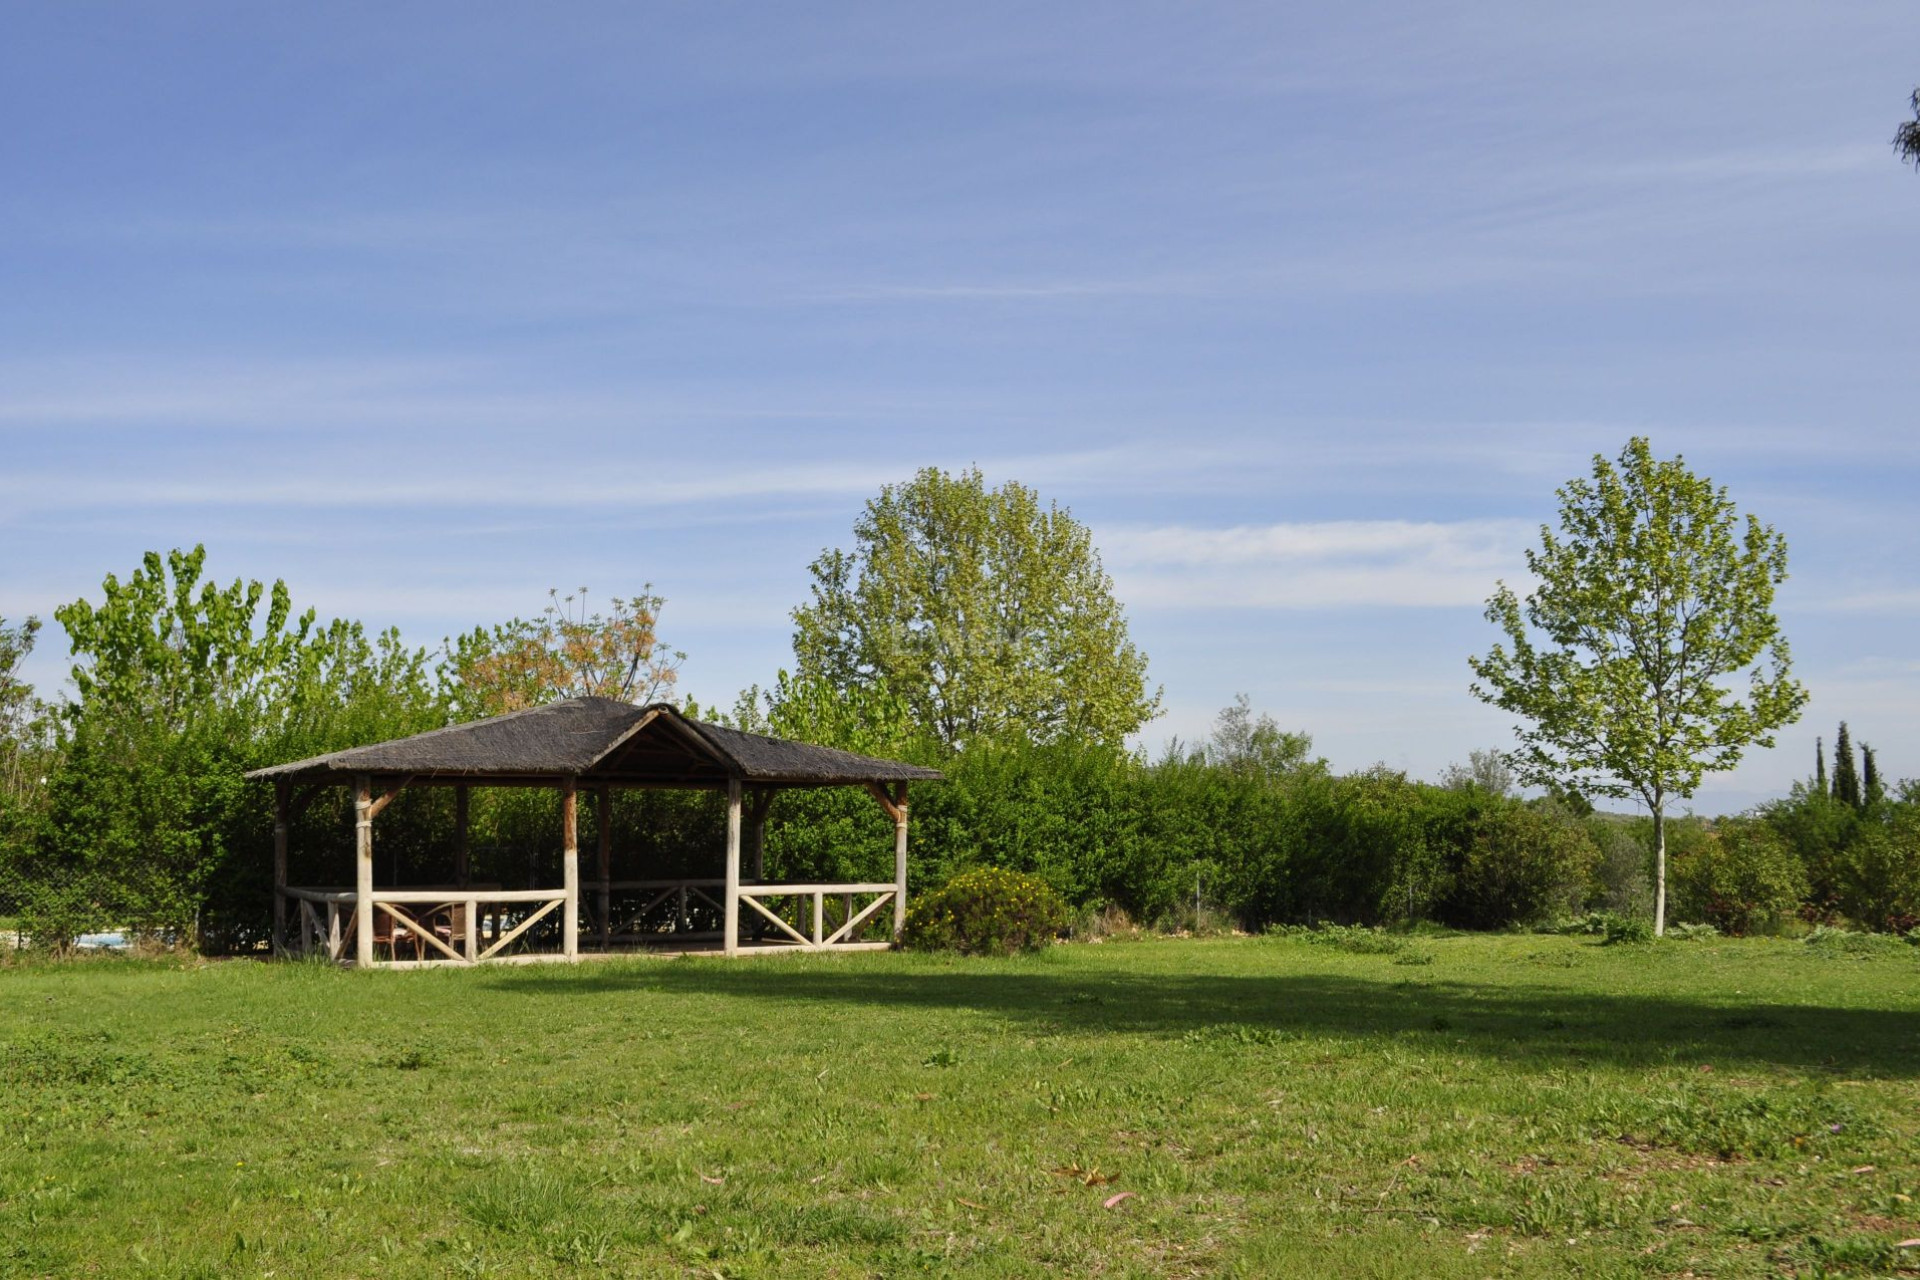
1306,310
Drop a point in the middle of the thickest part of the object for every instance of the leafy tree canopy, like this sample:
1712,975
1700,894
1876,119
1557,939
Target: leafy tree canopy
1256,746
567,652
1486,770
984,610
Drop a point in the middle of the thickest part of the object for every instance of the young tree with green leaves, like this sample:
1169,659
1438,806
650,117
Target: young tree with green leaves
1651,597
986,611
1255,746
1873,789
1487,771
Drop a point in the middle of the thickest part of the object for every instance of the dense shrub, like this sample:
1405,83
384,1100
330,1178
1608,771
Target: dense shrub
1742,878
986,911
1877,878
1519,864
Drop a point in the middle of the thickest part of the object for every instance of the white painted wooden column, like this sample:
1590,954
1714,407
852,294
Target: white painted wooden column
731,925
363,870
899,860
570,868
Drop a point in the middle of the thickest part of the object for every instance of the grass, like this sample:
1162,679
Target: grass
1528,1106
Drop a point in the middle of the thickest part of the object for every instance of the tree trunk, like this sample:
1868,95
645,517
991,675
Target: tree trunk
1659,870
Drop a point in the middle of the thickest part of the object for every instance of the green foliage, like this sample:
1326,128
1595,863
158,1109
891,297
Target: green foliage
1358,939
989,614
1846,778
986,911
1879,883
1516,864
1692,932
1850,942
27,753
1256,745
1649,599
1616,930
181,687
1742,878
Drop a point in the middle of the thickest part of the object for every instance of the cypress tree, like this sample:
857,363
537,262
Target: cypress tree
1846,778
1820,765
1873,791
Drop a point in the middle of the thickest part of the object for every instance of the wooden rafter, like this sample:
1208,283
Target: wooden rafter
895,805
387,799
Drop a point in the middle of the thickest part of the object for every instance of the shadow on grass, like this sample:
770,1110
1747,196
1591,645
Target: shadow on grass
1541,1027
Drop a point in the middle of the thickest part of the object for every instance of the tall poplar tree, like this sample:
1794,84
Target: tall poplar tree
1872,789
1846,778
1820,765
1652,594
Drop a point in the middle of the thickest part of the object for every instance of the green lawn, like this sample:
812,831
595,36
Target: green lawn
1468,1106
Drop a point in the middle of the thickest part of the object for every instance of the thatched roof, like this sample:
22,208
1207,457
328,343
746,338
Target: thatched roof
599,740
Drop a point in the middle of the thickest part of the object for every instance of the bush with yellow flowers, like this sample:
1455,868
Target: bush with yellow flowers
986,911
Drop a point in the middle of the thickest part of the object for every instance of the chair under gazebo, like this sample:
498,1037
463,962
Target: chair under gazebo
601,746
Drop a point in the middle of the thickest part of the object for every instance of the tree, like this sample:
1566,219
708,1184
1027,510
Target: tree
566,652
985,611
26,749
181,685
1906,139
1873,789
1649,599
1255,746
1846,778
21,714
1820,766
1487,770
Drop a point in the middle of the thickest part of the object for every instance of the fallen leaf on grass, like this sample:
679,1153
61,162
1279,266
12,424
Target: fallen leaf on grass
1909,1244
970,1204
1088,1177
1865,1168
713,1182
1113,1200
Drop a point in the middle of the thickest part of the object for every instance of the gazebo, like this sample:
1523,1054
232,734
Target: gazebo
600,745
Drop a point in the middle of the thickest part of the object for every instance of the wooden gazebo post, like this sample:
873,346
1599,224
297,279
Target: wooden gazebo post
730,927
570,868
603,863
281,795
363,870
899,859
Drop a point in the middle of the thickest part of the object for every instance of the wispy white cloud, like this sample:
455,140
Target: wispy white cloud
1315,565
1889,600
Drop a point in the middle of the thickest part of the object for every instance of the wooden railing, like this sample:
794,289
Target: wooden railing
474,941
469,926
852,922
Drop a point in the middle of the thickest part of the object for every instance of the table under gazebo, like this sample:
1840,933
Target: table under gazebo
601,746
